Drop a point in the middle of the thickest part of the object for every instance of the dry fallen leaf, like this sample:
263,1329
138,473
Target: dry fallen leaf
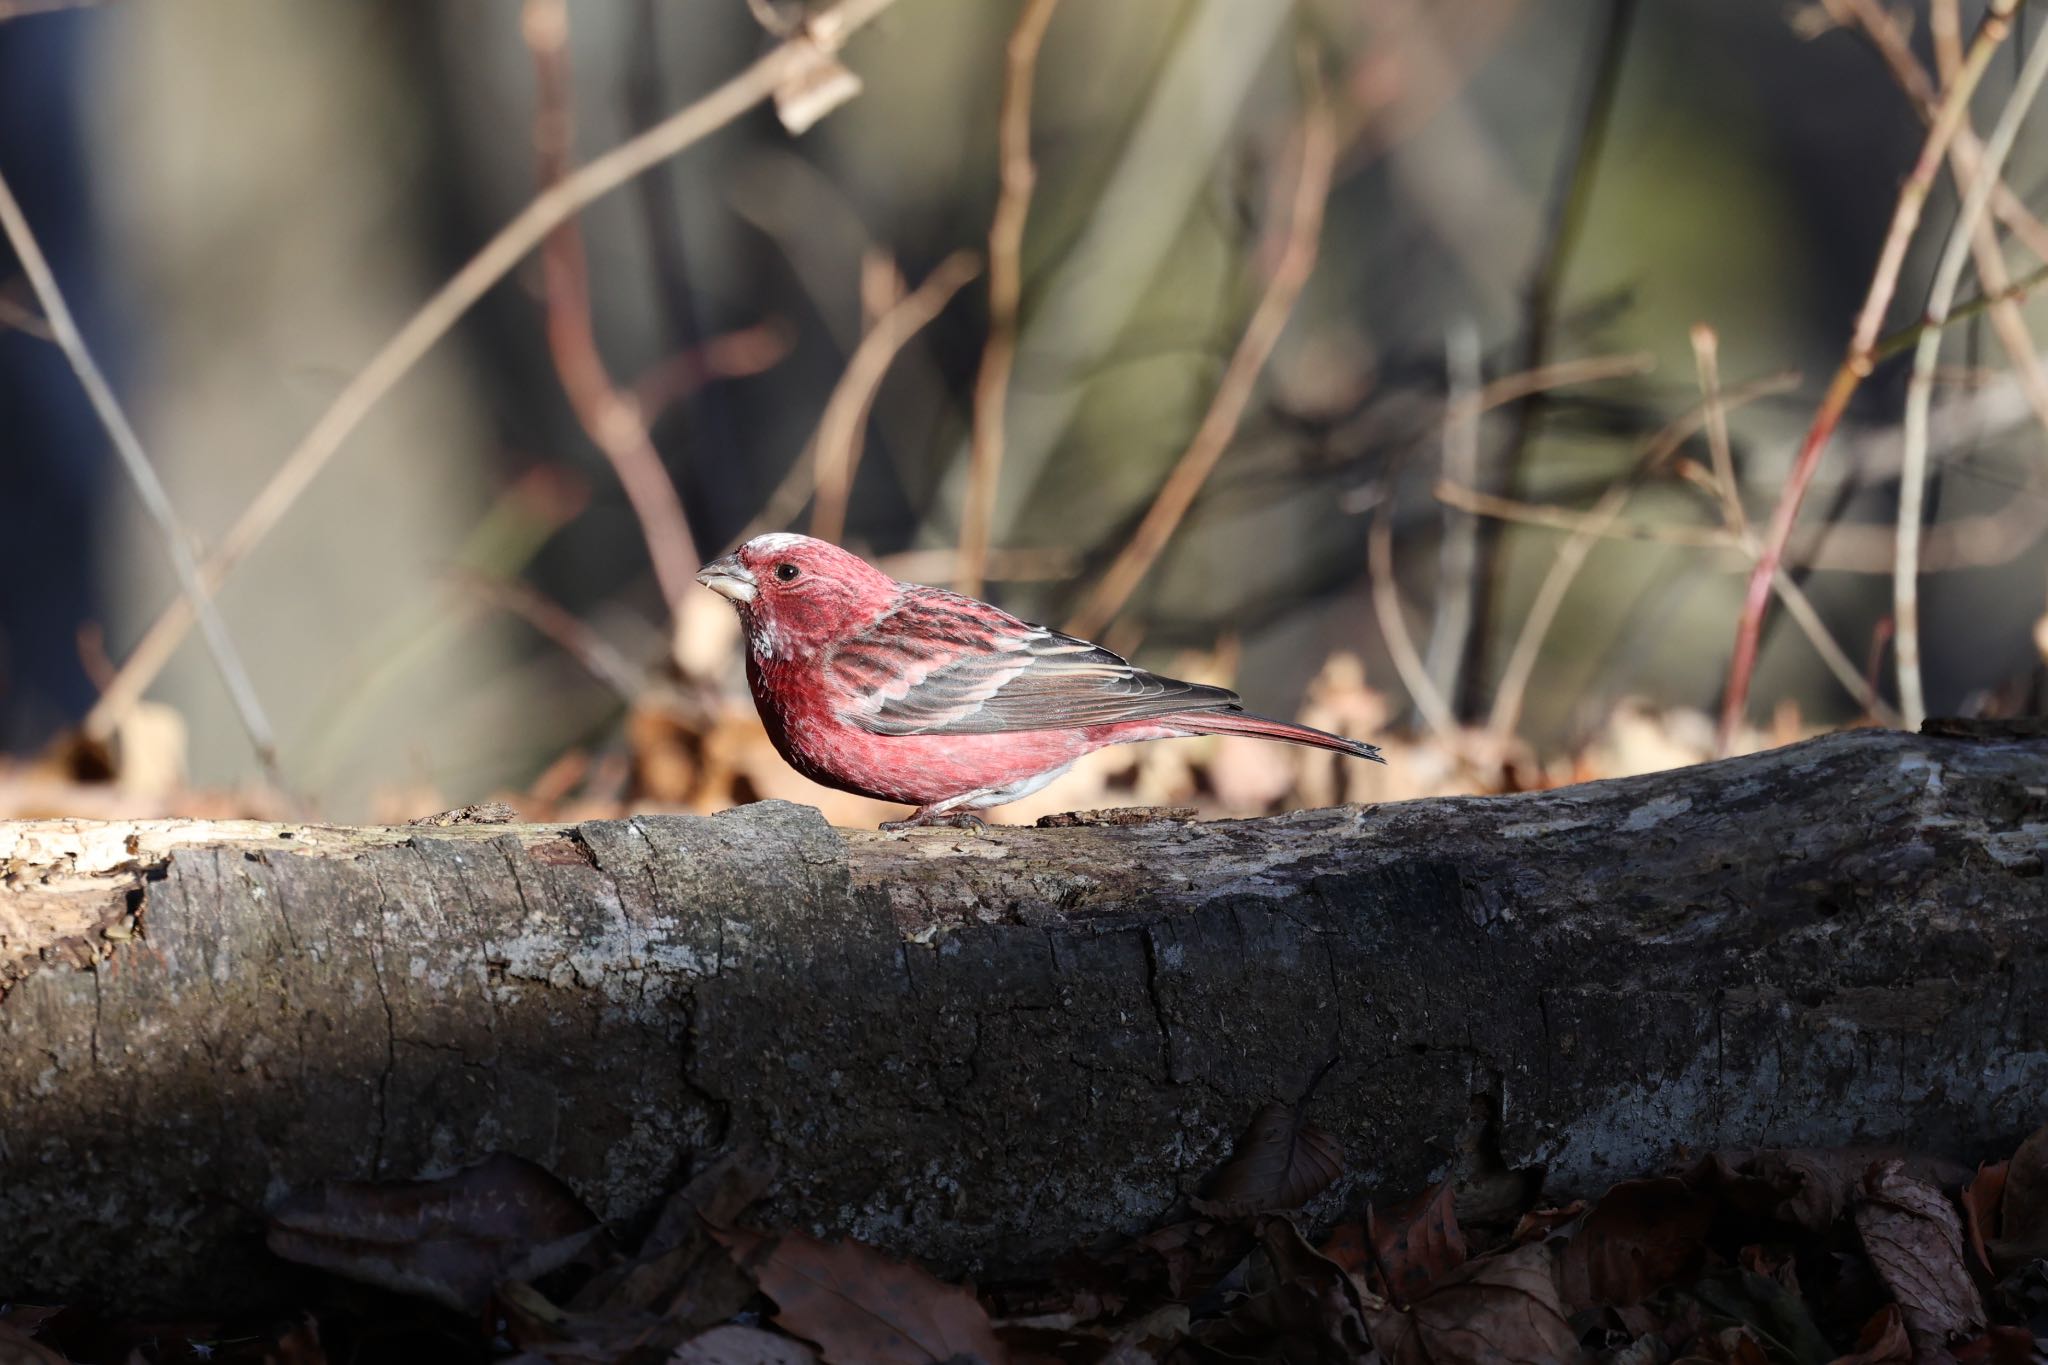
2021,1232
1181,1259
1882,1341
450,1240
1807,1187
1914,1237
731,1345
19,1348
1640,1236
861,1308
1303,1305
1281,1163
1981,1200
1498,1310
1408,1248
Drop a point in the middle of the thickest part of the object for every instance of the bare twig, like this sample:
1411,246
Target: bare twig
1977,542
1458,557
941,565
1506,713
24,320
1895,47
1564,217
1563,374
1297,259
1919,393
836,449
823,34
1706,351
1484,504
1386,606
1005,290
22,9
1855,365
1945,27
609,416
177,542
599,658
1906,338
730,355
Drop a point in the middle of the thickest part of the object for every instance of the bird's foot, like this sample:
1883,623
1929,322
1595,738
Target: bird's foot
929,819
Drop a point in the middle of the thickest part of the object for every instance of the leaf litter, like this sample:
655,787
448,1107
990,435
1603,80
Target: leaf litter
1852,1256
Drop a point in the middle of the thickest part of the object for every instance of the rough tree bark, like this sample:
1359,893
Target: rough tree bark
984,1049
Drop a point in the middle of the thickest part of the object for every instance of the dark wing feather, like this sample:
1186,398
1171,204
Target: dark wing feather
942,664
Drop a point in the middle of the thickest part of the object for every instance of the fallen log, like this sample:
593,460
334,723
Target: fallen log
984,1049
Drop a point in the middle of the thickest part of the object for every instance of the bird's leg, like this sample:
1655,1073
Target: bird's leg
925,817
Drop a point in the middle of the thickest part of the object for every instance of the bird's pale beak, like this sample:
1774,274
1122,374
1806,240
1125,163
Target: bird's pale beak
729,579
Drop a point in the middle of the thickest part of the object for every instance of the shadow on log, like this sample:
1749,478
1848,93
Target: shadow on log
982,1050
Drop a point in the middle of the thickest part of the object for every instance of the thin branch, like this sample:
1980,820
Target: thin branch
1978,542
1721,484
1855,365
1966,157
1386,606
842,426
599,658
1484,504
1563,374
1906,338
609,416
1506,713
1458,556
1706,352
23,319
1570,198
730,355
1005,290
1895,47
177,542
1920,392
824,33
1240,377
23,9
1945,27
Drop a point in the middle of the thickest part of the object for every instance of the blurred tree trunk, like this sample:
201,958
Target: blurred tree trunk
983,1049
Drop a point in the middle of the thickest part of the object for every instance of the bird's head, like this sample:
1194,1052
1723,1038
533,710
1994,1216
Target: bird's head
797,595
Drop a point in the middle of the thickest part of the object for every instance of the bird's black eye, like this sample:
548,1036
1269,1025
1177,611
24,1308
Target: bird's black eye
786,572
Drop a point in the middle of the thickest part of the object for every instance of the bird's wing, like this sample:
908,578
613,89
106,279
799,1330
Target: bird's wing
944,664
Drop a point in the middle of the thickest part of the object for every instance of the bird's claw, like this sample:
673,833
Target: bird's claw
952,819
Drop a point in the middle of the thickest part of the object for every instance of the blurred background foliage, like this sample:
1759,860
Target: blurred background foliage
243,200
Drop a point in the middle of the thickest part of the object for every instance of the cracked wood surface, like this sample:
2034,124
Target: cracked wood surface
984,1049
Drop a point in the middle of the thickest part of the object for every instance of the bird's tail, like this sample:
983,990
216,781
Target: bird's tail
1247,725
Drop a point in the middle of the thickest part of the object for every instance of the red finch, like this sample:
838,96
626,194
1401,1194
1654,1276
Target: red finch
919,695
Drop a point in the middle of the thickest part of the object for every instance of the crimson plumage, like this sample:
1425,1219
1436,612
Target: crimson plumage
934,699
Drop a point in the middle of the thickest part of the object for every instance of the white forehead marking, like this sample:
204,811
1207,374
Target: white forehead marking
777,541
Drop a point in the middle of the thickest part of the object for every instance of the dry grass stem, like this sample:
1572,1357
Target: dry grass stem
610,416
155,500
1920,392
1005,290
1297,259
824,32
836,449
1856,364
